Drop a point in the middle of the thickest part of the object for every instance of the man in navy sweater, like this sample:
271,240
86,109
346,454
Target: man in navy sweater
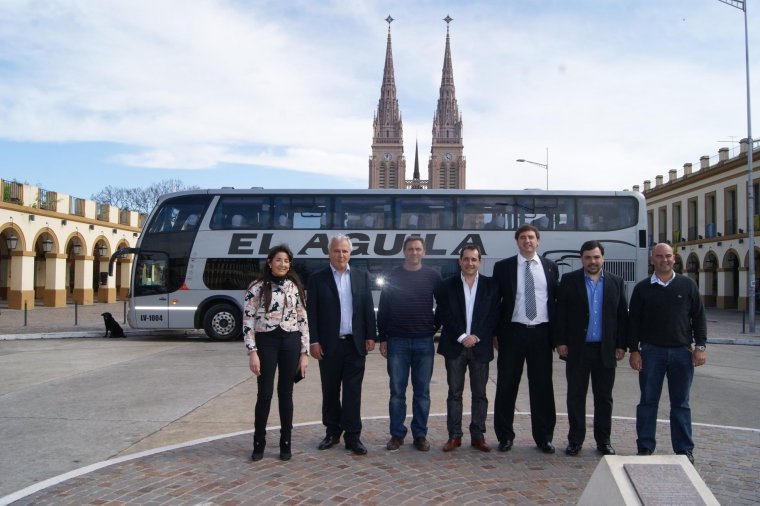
405,328
666,317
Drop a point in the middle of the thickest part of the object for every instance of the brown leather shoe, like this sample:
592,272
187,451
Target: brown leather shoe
481,445
394,443
452,444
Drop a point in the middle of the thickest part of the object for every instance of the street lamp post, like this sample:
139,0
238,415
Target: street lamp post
544,166
742,5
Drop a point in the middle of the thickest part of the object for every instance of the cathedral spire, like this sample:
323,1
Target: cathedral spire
447,165
387,125
447,123
387,165
416,175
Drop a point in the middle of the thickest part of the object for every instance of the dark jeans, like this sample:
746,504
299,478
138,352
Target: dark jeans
659,362
534,348
344,368
277,350
405,355
455,372
579,370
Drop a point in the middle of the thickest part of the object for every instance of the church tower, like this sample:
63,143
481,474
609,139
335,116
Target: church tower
447,165
387,165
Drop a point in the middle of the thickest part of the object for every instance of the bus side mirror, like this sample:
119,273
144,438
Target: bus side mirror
103,278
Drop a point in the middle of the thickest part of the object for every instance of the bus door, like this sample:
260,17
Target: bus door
150,301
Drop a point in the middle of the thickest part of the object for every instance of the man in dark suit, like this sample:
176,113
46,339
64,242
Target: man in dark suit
342,331
467,306
527,286
590,334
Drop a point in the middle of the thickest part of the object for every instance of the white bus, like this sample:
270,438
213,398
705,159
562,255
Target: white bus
199,250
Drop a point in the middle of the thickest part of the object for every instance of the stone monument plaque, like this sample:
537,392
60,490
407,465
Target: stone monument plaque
661,484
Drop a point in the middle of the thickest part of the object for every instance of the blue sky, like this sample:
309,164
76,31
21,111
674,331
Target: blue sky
281,94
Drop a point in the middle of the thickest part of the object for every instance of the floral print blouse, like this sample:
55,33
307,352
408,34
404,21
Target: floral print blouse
285,311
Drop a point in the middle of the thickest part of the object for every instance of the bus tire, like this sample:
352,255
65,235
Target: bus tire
223,322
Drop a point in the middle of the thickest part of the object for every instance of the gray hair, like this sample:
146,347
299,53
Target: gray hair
341,238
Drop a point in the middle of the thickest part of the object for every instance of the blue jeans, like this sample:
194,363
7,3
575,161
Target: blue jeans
405,354
659,362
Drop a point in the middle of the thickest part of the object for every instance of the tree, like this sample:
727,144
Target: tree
139,199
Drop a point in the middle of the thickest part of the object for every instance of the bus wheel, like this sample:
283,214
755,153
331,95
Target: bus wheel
223,322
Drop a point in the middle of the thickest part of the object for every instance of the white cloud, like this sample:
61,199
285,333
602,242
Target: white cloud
618,91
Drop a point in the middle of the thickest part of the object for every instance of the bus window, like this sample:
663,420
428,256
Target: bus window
241,212
151,274
606,214
305,212
478,213
553,213
177,216
362,213
231,273
420,213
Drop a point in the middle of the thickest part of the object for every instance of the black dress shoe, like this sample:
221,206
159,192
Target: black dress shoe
356,447
328,442
546,447
644,451
606,449
505,446
573,449
688,455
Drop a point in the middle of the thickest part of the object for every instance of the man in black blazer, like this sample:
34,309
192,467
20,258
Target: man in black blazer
342,330
527,286
590,334
467,306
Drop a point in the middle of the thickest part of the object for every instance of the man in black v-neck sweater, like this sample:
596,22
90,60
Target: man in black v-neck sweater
666,317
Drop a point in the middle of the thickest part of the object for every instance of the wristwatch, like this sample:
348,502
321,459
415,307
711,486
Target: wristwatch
700,347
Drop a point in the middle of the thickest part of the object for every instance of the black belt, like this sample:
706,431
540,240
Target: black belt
530,326
346,336
596,344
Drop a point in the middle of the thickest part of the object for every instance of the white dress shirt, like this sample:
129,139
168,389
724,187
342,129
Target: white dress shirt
542,294
469,304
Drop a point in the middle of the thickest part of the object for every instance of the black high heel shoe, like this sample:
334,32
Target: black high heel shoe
258,449
285,453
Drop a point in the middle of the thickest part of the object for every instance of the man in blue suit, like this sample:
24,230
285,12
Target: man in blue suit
342,331
590,334
468,309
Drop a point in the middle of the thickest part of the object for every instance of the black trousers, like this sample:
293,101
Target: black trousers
277,350
579,369
531,346
342,370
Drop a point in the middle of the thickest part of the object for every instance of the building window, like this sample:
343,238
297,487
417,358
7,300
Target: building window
710,215
692,219
662,224
730,225
676,230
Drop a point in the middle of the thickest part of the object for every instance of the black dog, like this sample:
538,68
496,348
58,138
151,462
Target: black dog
112,326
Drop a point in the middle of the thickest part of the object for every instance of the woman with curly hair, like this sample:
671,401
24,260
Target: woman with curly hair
276,334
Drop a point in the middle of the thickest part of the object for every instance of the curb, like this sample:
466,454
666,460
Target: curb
99,334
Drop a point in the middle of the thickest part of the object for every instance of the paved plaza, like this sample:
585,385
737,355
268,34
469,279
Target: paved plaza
168,467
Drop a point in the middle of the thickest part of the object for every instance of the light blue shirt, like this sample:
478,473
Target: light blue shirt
343,283
595,294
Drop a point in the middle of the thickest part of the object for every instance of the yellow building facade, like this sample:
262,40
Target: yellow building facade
54,247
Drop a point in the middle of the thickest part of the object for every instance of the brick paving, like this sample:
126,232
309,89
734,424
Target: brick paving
220,472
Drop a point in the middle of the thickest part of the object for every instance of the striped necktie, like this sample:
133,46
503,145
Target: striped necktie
530,293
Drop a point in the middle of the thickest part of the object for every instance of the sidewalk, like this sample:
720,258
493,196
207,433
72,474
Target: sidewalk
724,326
69,321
